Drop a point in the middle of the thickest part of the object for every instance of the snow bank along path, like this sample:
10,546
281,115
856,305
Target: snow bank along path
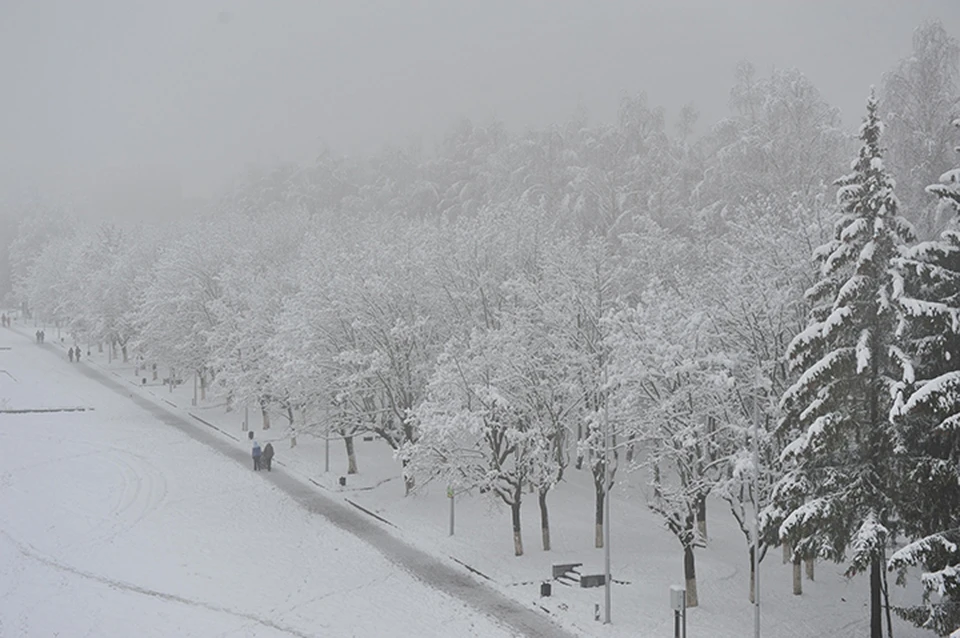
445,617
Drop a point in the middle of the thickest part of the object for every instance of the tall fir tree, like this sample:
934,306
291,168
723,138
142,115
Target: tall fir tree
927,412
835,497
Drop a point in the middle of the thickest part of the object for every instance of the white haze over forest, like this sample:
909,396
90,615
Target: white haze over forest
131,107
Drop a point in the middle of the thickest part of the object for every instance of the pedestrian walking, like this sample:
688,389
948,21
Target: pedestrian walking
78,354
256,455
267,455
70,354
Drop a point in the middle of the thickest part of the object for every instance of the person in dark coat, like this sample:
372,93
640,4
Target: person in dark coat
70,354
78,354
256,455
267,455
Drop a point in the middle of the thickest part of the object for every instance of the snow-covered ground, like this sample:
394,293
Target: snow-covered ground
113,520
114,524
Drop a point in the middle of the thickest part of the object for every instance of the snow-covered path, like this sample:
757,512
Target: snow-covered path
113,523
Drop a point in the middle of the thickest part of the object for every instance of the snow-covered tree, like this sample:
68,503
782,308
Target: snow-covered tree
178,300
47,286
116,263
939,555
837,498
594,297
782,140
927,413
41,222
753,294
329,359
522,341
672,388
475,429
255,282
920,96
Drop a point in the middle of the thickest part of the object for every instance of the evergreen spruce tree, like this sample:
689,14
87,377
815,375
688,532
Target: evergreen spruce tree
927,413
835,500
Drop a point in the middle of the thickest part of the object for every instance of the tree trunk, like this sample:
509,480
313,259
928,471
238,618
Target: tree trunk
266,418
579,463
100,348
753,576
517,538
408,481
886,596
598,541
229,401
797,577
544,521
876,611
203,385
690,575
787,552
810,562
123,350
351,455
702,517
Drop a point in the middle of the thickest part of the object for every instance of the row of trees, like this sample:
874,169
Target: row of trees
606,299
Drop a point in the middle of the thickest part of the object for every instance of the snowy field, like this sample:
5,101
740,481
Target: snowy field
116,524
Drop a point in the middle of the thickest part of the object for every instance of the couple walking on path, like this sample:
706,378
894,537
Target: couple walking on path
261,458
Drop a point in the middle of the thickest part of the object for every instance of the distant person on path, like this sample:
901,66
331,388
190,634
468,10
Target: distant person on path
256,456
3,317
43,336
70,354
38,336
78,354
268,455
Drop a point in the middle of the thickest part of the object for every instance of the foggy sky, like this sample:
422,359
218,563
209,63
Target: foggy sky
122,101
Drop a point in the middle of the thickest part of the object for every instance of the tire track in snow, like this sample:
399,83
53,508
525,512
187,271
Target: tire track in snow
35,555
142,489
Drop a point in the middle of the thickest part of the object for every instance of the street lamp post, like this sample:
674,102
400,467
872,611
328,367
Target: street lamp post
450,495
326,449
756,515
606,503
